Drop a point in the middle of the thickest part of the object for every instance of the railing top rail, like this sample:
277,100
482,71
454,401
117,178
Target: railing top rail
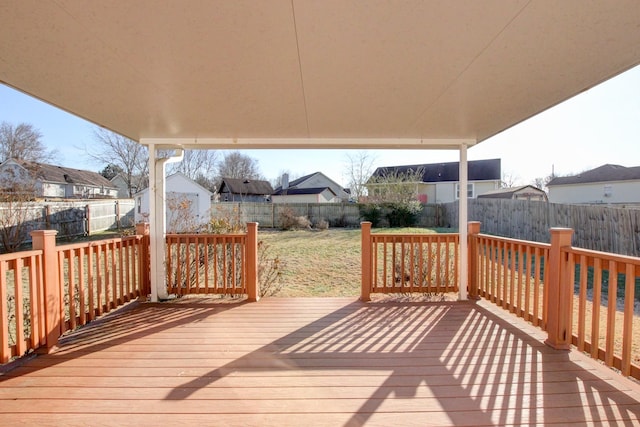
516,241
94,243
203,235
426,235
607,256
17,255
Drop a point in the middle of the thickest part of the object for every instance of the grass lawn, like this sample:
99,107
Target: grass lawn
321,263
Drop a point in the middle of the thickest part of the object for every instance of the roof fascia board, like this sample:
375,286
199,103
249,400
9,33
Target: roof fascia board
308,143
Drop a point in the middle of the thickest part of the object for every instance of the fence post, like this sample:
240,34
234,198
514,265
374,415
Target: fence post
45,241
365,292
473,229
142,229
560,302
253,286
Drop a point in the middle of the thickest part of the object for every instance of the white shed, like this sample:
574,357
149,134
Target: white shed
188,204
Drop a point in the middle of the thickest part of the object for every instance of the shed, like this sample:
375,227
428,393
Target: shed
523,192
188,204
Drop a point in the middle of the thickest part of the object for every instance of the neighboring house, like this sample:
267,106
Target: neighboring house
312,188
50,181
188,204
612,184
120,182
440,181
244,190
524,192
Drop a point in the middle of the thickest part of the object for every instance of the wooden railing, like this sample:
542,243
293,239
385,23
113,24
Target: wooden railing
97,277
604,319
580,297
407,263
21,304
213,263
510,273
51,289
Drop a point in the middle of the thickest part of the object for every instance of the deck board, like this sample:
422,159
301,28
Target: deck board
329,362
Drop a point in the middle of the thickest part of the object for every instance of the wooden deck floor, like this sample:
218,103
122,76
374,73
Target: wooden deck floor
308,362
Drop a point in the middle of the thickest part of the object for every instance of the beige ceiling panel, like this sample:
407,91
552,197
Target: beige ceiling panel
422,69
217,68
550,52
375,69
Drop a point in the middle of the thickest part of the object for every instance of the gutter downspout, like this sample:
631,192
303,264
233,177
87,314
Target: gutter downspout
157,221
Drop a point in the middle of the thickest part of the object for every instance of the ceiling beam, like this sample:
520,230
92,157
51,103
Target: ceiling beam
308,143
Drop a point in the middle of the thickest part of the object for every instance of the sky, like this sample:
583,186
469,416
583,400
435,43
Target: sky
599,126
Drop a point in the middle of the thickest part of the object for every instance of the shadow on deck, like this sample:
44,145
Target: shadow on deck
332,361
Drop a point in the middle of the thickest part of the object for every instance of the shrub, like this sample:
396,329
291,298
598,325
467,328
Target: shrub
322,225
289,220
371,213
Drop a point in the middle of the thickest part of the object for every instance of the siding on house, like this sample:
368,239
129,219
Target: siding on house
439,180
315,181
51,181
610,184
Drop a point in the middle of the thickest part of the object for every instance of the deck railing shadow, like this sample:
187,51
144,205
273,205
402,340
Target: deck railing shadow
461,358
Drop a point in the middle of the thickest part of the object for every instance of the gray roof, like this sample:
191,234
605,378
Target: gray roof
507,192
245,186
478,170
297,191
603,173
64,175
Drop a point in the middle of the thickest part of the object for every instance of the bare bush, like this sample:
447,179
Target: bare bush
322,225
289,221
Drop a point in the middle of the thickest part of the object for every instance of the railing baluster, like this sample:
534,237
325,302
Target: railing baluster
611,312
629,306
5,351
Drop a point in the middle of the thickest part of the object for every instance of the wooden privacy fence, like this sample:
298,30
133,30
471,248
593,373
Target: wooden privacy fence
336,214
406,263
597,227
51,289
213,263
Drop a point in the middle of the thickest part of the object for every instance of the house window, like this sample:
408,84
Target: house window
139,204
608,191
470,190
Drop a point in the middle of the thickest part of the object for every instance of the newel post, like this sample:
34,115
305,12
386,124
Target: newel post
560,296
142,229
473,229
365,293
45,241
253,287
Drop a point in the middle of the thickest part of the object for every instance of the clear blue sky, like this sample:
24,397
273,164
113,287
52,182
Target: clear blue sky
596,127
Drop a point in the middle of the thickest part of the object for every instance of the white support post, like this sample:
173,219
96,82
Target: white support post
462,223
156,227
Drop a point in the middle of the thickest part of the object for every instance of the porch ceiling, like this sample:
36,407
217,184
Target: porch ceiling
410,72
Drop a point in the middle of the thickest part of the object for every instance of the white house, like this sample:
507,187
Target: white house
438,182
611,184
312,188
51,181
188,204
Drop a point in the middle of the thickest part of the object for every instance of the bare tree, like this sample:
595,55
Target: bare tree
197,165
17,190
121,152
238,165
358,170
388,185
509,179
23,142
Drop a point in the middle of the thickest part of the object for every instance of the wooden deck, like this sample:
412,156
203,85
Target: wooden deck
308,362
